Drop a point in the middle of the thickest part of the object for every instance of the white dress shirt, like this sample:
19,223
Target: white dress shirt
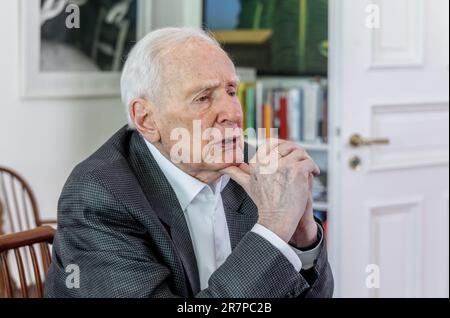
205,216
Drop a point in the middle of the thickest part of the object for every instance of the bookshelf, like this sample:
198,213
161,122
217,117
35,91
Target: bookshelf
248,37
309,146
315,146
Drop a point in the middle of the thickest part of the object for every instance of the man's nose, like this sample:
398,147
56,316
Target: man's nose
230,112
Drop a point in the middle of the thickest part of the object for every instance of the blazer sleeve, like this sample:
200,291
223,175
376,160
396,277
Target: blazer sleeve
319,277
110,248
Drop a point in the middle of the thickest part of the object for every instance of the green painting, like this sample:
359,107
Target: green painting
273,36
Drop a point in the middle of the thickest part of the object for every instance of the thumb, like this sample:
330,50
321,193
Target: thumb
309,205
310,182
240,174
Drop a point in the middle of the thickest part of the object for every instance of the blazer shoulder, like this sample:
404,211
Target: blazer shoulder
110,154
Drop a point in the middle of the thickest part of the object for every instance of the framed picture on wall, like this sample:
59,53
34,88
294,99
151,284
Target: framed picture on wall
77,48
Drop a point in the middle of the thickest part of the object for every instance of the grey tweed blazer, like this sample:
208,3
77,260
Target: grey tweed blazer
120,222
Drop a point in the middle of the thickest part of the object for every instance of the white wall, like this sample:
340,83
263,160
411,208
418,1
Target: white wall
176,13
45,139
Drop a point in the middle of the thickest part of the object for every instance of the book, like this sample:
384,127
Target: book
250,104
246,96
312,104
283,130
295,114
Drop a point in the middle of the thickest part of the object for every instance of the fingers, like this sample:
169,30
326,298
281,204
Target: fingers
309,205
287,148
286,152
309,166
265,155
295,155
245,167
292,152
266,148
240,174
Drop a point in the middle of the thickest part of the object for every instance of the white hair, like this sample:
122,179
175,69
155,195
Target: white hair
141,75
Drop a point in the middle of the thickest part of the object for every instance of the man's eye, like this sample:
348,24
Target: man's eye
203,99
232,93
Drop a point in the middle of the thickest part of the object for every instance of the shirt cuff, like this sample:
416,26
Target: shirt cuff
309,257
281,245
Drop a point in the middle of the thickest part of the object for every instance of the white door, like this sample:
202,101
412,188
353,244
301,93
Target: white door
389,78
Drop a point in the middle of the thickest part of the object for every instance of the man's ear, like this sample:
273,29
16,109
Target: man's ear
143,114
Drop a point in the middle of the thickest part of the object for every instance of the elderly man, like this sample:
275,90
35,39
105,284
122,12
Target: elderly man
135,222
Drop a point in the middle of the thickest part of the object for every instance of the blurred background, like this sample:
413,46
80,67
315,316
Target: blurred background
361,84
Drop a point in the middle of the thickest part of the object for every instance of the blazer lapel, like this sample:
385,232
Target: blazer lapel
164,202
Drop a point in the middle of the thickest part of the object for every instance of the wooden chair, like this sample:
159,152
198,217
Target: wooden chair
1,218
26,241
20,207
2,287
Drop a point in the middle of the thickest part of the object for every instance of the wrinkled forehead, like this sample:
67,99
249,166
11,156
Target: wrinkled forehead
196,61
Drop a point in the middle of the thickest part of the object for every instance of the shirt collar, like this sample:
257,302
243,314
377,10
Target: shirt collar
186,187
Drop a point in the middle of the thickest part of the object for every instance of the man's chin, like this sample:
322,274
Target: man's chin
227,159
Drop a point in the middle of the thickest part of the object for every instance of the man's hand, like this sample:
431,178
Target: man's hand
306,233
282,197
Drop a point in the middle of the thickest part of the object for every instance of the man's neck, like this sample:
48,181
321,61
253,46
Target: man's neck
207,177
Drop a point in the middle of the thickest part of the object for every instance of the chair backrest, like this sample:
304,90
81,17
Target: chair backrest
1,217
26,241
20,210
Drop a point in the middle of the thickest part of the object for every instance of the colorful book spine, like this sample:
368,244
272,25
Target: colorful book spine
250,107
295,114
241,97
268,118
283,130
259,104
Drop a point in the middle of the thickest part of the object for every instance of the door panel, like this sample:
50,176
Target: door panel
399,220
392,212
398,42
411,128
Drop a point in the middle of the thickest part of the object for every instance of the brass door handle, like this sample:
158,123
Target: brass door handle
357,140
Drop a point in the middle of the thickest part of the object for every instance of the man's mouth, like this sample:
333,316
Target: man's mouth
230,143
